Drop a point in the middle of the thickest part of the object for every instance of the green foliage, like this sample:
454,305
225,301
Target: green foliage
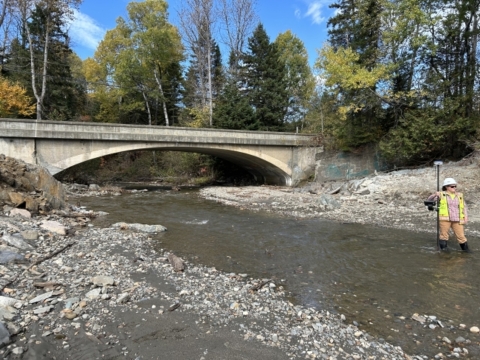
233,110
422,136
266,85
65,94
358,105
201,84
142,56
17,60
195,117
300,83
403,74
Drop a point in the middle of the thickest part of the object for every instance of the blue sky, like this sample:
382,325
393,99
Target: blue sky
306,19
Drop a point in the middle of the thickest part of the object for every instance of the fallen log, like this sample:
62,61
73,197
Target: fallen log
48,284
173,307
260,285
36,262
52,254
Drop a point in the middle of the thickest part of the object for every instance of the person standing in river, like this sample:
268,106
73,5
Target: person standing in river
452,213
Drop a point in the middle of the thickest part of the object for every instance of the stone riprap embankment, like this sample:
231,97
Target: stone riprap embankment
30,187
392,199
90,292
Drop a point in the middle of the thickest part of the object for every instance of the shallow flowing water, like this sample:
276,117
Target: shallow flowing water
374,276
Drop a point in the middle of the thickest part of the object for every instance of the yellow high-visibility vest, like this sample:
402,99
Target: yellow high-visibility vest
443,208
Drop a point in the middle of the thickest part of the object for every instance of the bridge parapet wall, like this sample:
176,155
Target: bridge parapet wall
121,132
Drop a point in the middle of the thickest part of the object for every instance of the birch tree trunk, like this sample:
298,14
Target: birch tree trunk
210,94
41,96
148,108
164,105
23,8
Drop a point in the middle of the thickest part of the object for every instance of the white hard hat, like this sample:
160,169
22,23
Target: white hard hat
449,181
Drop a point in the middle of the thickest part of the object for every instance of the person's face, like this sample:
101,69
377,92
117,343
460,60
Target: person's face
452,188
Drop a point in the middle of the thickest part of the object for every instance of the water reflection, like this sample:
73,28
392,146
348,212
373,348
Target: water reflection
372,275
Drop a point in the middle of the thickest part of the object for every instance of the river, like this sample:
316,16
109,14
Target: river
376,277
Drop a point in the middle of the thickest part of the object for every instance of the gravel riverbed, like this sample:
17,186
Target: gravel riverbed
73,291
392,200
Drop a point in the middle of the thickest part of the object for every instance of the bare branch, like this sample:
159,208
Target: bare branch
239,19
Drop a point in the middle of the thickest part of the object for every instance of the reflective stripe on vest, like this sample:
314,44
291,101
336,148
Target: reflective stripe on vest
443,208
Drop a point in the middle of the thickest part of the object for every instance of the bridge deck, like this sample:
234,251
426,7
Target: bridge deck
45,129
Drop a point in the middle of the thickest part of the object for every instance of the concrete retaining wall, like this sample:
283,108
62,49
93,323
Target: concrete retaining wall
331,165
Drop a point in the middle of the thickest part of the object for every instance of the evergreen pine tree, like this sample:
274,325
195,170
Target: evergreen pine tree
265,82
233,111
17,66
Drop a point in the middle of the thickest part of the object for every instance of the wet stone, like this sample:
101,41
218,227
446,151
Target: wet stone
30,234
4,334
103,280
43,310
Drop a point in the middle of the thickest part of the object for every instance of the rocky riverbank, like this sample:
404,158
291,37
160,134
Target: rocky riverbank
70,290
74,291
393,200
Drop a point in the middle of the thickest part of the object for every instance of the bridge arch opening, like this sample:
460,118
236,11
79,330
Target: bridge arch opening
266,170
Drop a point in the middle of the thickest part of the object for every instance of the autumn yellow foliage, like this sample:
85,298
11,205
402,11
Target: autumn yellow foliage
14,100
199,117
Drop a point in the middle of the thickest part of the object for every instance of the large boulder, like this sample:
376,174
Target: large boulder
29,186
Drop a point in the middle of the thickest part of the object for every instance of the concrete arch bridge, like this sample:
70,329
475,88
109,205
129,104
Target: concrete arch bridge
272,158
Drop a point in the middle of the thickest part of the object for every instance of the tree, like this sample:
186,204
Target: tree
63,96
196,22
299,78
157,42
355,31
14,100
233,110
238,18
141,56
6,19
404,75
16,64
265,82
193,94
53,14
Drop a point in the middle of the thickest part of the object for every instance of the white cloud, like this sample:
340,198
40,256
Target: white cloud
85,31
315,12
298,13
